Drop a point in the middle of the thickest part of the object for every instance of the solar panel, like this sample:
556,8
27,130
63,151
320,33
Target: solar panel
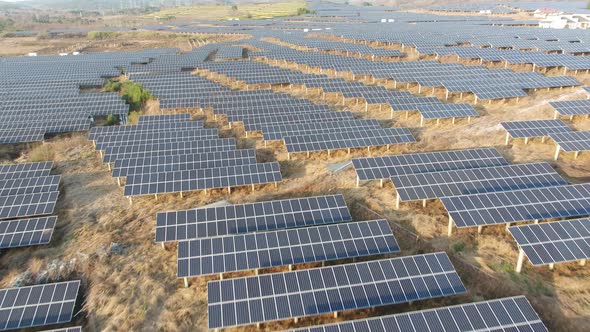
26,232
571,107
278,132
149,127
29,185
572,141
168,149
534,128
351,139
317,291
25,170
22,135
372,168
103,142
554,242
38,305
27,205
474,181
519,205
199,179
284,247
250,217
505,314
164,118
125,167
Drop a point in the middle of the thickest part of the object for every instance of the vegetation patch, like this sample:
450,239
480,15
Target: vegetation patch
132,92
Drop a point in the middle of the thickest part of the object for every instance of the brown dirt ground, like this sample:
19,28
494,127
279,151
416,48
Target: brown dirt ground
138,290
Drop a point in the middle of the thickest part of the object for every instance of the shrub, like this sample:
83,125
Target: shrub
132,92
43,152
303,11
101,35
112,120
458,247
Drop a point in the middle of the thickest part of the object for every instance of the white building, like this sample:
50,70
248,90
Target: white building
562,21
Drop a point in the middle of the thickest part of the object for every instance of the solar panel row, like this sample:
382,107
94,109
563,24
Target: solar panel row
38,305
330,289
169,153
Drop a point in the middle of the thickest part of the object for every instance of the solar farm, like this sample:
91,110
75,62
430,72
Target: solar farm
351,168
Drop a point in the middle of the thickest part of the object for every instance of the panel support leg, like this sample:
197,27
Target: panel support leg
397,201
507,226
520,260
185,282
551,266
423,203
582,262
556,153
358,180
450,227
576,154
380,183
479,229
507,138
526,140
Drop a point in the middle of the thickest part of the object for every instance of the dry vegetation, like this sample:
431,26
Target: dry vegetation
120,41
246,11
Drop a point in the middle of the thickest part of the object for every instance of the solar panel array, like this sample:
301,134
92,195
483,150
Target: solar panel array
571,107
316,291
261,109
374,168
285,247
169,153
480,81
38,305
554,242
250,217
572,141
474,181
535,128
504,314
255,73
26,232
27,190
518,205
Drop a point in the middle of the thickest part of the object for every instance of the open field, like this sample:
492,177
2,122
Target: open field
250,11
119,41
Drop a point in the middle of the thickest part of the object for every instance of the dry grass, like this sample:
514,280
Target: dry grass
249,11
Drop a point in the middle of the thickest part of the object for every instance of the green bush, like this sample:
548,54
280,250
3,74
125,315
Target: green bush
458,247
132,92
112,120
303,11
